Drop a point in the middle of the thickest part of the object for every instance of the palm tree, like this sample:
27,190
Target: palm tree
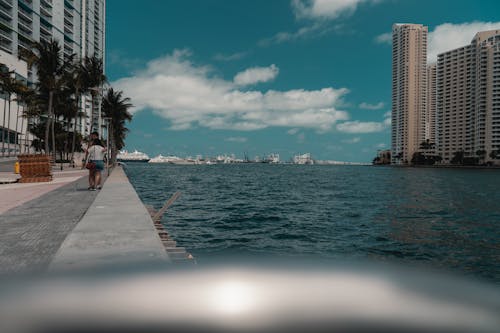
23,95
458,157
427,145
29,99
78,83
9,86
481,154
494,154
93,79
115,107
50,66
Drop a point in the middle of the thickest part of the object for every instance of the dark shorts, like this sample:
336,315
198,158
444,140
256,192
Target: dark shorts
99,165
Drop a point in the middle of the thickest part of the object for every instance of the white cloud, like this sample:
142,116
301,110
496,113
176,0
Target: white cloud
368,106
352,141
360,127
388,118
385,38
238,139
448,36
320,12
230,57
256,75
316,29
293,131
381,145
326,9
189,95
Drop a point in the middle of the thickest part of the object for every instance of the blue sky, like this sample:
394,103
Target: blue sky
258,76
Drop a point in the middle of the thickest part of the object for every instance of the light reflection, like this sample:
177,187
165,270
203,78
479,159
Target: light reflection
233,297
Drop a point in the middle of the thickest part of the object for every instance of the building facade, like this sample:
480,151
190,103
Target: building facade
409,90
430,113
468,99
78,25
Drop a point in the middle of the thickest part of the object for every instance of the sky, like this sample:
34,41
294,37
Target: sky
255,77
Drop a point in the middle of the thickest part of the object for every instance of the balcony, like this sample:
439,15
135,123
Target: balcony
7,15
46,3
45,34
5,41
68,32
25,17
5,22
24,29
68,22
45,14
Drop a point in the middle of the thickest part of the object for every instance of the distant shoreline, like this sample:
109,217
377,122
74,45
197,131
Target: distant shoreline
496,167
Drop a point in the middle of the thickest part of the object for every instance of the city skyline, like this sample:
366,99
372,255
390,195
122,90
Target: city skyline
306,77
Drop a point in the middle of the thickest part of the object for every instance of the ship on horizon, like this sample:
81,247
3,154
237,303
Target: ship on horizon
135,156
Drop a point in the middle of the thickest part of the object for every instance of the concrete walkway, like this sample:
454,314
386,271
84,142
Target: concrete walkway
116,230
36,218
16,194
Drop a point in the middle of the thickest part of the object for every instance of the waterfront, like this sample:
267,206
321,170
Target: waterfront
438,218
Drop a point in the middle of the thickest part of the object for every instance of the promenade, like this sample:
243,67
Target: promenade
62,225
36,218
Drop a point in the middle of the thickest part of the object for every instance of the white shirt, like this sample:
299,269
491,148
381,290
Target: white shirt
96,153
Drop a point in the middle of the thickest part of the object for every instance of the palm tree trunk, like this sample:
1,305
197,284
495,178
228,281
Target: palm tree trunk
21,147
73,143
8,129
92,114
113,144
3,126
17,133
49,119
26,146
52,125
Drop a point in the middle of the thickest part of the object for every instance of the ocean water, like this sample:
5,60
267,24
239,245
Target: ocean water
445,219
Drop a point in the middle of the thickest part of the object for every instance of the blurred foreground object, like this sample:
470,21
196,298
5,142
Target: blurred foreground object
235,299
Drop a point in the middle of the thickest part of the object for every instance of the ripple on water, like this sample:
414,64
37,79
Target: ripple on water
445,218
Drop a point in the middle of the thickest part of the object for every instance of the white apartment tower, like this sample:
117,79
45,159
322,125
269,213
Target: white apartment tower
409,90
468,98
430,112
78,25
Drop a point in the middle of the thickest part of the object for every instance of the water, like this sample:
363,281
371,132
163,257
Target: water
445,219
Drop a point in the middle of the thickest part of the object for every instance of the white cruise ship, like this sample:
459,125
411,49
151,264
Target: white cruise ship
272,158
136,156
173,160
303,159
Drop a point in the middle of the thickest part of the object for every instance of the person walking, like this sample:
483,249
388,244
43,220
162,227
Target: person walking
95,154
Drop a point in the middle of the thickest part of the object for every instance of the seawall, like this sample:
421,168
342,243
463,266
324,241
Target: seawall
116,230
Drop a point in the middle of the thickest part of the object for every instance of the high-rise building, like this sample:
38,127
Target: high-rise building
409,90
468,98
430,112
78,25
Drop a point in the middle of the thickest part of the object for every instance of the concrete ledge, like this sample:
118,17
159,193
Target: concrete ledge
116,230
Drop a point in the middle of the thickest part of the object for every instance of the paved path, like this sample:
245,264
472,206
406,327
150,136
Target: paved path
116,230
31,234
17,194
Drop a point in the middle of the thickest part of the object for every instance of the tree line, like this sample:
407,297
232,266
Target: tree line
51,106
426,155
